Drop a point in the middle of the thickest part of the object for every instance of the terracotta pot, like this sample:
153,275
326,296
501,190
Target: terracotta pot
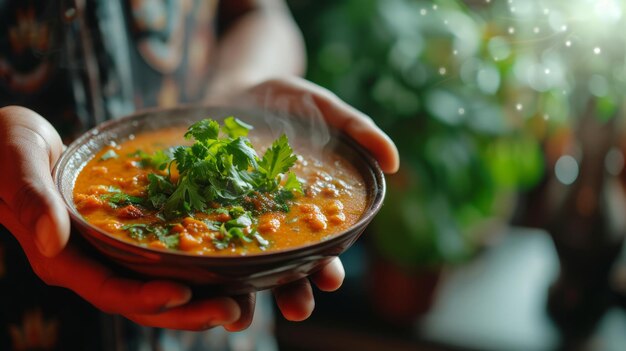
399,294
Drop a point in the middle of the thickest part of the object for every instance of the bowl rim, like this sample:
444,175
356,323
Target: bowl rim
369,161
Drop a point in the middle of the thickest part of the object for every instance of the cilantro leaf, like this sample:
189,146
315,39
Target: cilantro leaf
242,221
159,189
157,160
261,241
141,231
171,241
204,130
243,153
109,155
136,231
117,199
234,127
184,158
234,231
184,200
277,159
293,184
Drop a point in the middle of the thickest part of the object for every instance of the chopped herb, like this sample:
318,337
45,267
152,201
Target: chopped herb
136,231
113,189
185,199
281,199
234,230
159,189
213,225
234,127
292,184
277,160
242,221
142,231
221,169
117,199
109,155
157,160
263,243
170,241
236,211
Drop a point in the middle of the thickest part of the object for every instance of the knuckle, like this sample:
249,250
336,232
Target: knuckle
102,298
27,198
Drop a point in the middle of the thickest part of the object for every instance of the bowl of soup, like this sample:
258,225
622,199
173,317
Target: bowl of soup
232,199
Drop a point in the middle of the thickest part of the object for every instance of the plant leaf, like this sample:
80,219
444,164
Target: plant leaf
235,128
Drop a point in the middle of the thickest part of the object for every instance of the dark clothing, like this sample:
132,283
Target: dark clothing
79,63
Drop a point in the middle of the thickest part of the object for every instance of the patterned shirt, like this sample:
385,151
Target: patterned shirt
79,63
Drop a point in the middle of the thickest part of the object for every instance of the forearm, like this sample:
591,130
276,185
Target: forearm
261,44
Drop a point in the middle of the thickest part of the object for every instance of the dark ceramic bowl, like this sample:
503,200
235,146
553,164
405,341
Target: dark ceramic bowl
222,274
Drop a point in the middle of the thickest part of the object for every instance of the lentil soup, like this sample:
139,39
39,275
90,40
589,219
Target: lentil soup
115,191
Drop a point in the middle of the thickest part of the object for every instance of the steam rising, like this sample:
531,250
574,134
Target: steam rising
295,115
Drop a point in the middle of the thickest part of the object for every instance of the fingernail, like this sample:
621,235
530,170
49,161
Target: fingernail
182,299
44,235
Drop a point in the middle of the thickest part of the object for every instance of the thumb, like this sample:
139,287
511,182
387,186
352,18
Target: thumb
29,147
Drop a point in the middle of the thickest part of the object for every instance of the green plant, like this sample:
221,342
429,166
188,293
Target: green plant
425,72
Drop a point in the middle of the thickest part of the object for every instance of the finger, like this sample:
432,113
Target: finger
31,146
336,113
361,128
112,293
295,300
330,277
194,316
93,281
246,304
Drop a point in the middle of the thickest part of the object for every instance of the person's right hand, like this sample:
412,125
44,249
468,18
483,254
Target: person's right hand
33,211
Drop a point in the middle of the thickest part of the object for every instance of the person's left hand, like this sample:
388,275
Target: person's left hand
295,95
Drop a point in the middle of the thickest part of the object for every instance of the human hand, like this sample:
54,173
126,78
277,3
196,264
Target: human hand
33,211
292,95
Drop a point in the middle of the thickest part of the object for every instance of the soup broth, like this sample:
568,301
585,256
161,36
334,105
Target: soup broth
333,199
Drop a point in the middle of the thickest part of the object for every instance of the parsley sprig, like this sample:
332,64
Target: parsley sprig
221,166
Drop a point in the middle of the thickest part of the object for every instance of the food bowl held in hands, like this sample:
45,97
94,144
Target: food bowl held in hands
210,237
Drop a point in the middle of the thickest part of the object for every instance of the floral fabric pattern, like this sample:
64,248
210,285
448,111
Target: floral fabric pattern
78,63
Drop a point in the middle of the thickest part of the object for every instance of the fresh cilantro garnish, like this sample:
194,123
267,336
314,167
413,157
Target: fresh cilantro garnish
241,228
171,241
292,184
212,225
159,189
281,200
221,167
108,155
136,231
276,161
185,199
142,231
118,198
263,243
204,130
157,160
234,127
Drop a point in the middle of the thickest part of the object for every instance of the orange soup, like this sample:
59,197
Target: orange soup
134,191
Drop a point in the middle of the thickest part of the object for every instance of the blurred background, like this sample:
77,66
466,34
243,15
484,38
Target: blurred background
504,228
